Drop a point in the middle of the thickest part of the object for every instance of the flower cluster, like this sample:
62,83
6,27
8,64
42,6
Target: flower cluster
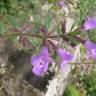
90,23
41,61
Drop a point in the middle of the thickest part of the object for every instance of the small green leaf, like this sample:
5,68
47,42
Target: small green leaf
55,8
92,35
48,21
52,1
2,27
73,33
73,41
72,91
13,21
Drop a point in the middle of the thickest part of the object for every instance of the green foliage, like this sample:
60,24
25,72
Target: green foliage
92,35
84,7
18,7
14,22
48,21
89,82
71,91
73,33
73,41
52,1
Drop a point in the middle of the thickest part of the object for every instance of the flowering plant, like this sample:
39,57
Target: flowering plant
41,61
48,39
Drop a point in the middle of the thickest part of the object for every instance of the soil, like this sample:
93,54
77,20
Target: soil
16,77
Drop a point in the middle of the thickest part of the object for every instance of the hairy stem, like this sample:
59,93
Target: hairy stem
30,34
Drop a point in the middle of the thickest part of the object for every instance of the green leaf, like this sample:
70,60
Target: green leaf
2,27
13,21
73,41
48,21
35,3
55,8
73,33
92,35
52,1
73,25
72,91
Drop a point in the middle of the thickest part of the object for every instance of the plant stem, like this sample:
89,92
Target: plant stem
80,39
30,34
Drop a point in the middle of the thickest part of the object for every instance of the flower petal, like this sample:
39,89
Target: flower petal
90,23
35,60
41,62
93,52
40,69
62,4
89,45
44,52
63,63
64,55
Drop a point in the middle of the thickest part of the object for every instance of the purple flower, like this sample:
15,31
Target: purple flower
65,57
62,4
41,62
90,23
91,49
40,69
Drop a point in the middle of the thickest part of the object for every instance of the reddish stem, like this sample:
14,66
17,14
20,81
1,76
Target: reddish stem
80,39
